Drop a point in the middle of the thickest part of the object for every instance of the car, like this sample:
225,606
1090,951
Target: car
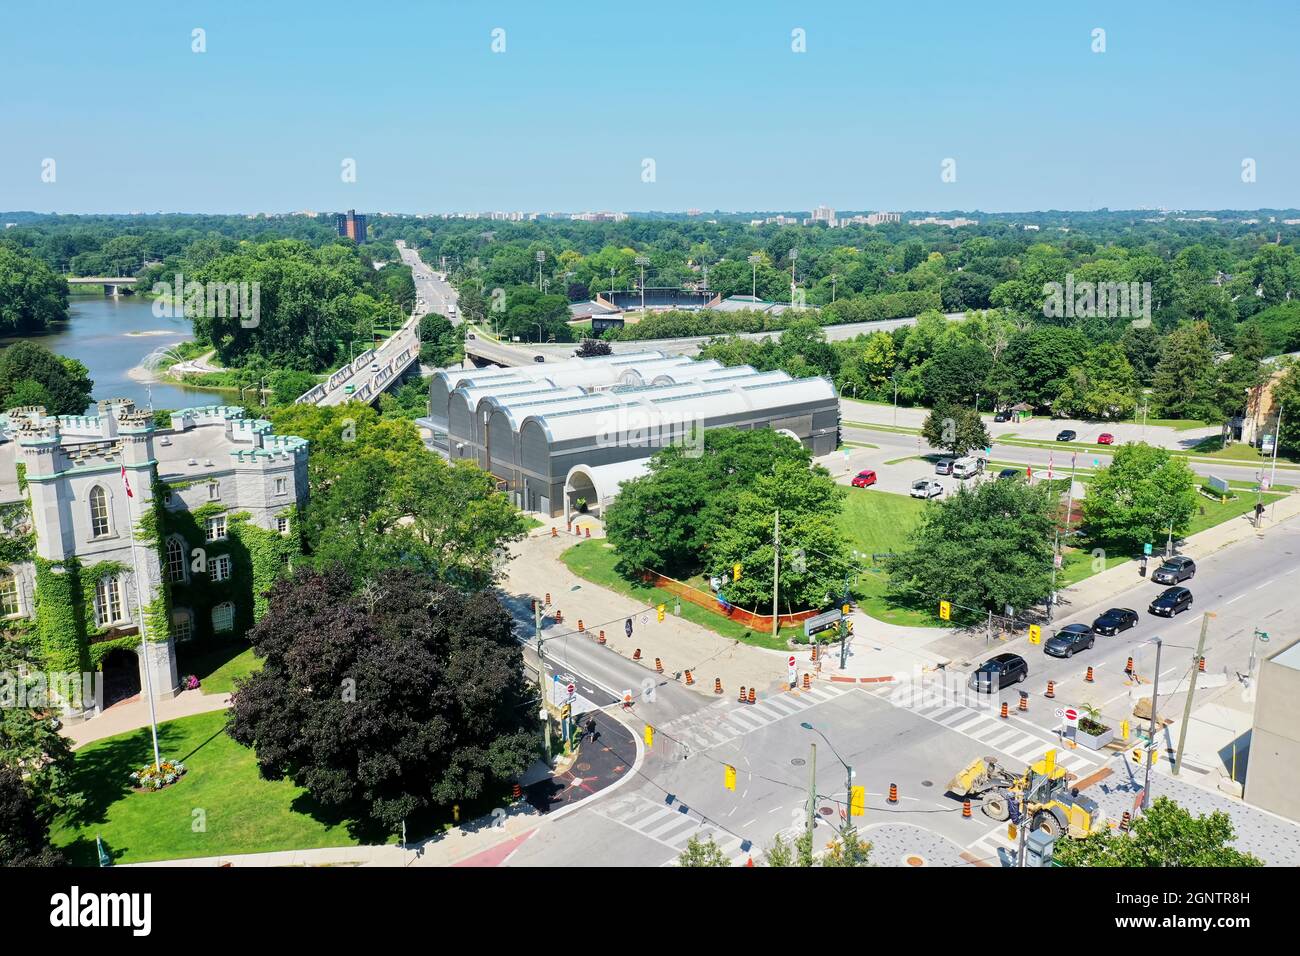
1171,601
1175,570
967,467
864,478
1115,620
1069,639
1010,473
1003,670
926,488
349,389
943,466
1105,438
1002,415
1067,435
374,366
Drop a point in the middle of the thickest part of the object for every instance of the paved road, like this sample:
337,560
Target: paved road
431,288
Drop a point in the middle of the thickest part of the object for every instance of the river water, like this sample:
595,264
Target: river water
113,337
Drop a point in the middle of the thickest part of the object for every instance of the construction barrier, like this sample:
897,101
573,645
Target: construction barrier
1004,710
581,629
893,793
752,696
659,665
965,809
517,791
1088,676
1200,665
559,617
1125,821
742,694
1024,702
717,685
689,679
548,599
807,682
1051,688
1128,668
814,657
601,639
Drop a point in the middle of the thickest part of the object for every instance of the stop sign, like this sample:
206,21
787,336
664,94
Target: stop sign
572,689
1071,716
791,661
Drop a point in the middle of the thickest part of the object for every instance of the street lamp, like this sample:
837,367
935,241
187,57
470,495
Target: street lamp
539,332
794,254
642,261
754,260
848,777
541,257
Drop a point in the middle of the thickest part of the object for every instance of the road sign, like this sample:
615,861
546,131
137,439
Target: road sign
858,801
945,610
822,622
645,618
1035,634
1071,716
572,690
790,662
627,627
1146,549
1059,713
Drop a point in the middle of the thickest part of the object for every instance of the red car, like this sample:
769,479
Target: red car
864,478
1105,438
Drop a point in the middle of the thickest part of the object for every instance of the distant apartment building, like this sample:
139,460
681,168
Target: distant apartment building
351,225
113,524
598,216
822,214
956,223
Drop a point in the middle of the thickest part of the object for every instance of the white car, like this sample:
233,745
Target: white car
926,488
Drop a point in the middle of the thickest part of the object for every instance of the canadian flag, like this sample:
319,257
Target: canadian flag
126,483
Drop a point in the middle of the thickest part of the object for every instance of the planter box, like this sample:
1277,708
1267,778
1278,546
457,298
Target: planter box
1094,742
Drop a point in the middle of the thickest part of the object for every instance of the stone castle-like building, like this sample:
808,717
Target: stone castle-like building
208,525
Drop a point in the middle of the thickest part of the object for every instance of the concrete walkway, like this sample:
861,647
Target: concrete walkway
133,713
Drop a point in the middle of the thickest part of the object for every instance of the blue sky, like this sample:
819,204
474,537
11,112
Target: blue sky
585,91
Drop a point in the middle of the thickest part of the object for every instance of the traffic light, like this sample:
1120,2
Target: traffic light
649,736
846,610
660,610
848,625
858,802
1035,634
735,571
945,610
566,711
729,777
1123,730
1011,831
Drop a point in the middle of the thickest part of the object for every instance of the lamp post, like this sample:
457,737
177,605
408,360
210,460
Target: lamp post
848,778
642,261
541,257
794,255
754,260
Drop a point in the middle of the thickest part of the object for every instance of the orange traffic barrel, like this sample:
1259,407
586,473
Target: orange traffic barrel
807,682
1024,701
742,693
1051,688
601,639
1125,820
1004,710
689,679
587,532
1200,665
752,696
517,791
659,665
580,627
965,809
548,599
1088,676
1128,668
717,685
636,655
893,793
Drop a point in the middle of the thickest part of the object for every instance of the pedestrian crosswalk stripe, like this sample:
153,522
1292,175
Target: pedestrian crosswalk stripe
715,725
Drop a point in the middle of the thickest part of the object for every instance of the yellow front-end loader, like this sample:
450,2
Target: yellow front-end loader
1042,794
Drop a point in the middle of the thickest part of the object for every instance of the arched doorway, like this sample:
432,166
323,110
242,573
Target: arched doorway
121,669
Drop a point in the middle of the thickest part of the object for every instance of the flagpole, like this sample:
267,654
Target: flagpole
140,604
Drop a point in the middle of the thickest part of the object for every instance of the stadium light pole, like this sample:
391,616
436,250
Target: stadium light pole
754,260
794,254
642,261
541,257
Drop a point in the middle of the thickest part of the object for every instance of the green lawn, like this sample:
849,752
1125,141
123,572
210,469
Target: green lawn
877,522
217,663
594,560
244,813
1211,512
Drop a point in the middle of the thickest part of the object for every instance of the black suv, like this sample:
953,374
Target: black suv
1067,435
1115,620
1175,570
1000,671
1071,638
1171,601
1002,416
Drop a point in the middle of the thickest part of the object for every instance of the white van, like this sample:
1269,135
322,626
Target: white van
967,467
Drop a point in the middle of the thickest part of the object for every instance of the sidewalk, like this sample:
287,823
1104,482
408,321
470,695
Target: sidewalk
133,713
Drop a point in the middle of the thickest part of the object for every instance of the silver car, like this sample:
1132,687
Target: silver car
926,488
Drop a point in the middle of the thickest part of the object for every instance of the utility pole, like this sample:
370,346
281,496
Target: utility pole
1155,699
1191,691
541,674
1022,829
794,254
812,793
776,572
642,261
146,664
844,629
754,260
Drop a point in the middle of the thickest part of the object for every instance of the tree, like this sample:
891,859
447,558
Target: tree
702,853
1135,498
956,372
1184,379
441,343
287,385
798,853
405,697
1165,835
24,829
593,347
1104,386
848,850
29,371
984,548
1286,395
32,295
955,429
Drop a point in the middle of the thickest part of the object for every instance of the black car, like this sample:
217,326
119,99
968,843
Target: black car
1175,570
1002,416
1171,601
1071,638
943,466
1010,473
1001,670
1067,435
1115,620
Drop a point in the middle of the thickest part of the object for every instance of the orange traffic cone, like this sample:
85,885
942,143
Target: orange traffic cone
689,679
636,655
1024,702
1128,668
559,617
1125,820
1004,710
581,629
742,693
1088,676
601,639
893,793
659,665
752,696
965,809
807,682
517,791
1051,688
750,861
554,533
588,532
547,602
1200,665
814,657
717,685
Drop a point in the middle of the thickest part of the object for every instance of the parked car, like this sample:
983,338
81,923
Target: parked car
1105,438
1171,601
1069,639
967,467
926,488
1000,671
1010,473
1002,415
1175,570
943,466
1067,435
864,478
1115,620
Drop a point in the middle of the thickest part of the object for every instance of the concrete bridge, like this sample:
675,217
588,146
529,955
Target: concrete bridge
113,285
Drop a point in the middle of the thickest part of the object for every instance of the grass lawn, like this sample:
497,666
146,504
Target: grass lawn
217,664
1213,447
1210,512
244,813
594,561
877,522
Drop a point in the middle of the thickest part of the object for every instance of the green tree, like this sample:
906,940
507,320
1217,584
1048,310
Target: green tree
955,429
286,385
956,372
986,547
1104,386
32,295
848,849
441,343
1166,835
29,371
702,853
24,829
1183,386
798,853
1286,394
1135,498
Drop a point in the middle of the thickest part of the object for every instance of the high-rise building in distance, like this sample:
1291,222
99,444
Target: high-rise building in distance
351,225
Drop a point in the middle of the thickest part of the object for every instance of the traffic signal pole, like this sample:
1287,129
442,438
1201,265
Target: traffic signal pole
1155,698
812,792
1191,692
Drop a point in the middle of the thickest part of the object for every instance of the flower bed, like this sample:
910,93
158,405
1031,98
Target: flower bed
152,778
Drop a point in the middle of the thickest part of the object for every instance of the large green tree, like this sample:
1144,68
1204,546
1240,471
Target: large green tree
1165,835
1139,496
955,429
33,375
1184,382
405,696
32,295
985,548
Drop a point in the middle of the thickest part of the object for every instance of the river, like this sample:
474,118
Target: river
112,337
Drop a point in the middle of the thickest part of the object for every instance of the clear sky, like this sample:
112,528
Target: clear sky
710,90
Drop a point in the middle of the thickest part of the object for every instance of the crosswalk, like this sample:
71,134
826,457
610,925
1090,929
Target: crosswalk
994,848
726,720
950,707
673,825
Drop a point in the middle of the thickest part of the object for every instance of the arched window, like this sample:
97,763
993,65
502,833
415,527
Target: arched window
100,524
223,617
9,595
175,560
108,601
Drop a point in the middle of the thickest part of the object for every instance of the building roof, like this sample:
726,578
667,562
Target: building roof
608,479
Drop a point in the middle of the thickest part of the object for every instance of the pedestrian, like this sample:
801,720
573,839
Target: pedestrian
591,728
